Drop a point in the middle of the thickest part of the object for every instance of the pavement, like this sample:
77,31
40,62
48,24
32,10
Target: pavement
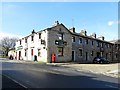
106,69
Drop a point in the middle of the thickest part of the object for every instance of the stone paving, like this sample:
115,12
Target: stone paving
106,69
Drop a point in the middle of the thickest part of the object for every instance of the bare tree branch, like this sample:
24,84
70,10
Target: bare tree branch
7,44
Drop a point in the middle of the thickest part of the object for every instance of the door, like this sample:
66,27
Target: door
86,56
19,55
73,55
32,53
98,54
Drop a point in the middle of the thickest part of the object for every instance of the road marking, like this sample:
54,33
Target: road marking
15,81
111,86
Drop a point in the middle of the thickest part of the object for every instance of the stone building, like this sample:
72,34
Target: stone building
65,44
116,50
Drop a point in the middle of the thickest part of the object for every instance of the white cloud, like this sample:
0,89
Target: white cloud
3,34
110,23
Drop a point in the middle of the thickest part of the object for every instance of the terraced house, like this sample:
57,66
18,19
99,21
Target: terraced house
61,44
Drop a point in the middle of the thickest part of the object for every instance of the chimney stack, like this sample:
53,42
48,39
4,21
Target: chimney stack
56,23
83,32
93,35
72,30
33,31
101,37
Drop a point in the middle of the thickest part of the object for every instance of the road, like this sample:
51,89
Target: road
38,75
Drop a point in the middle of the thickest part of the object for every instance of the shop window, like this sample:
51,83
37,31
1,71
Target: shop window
60,51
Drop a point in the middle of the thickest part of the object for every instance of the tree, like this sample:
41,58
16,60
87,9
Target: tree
7,44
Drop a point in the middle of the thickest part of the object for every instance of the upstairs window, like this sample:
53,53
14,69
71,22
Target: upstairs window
106,45
98,44
20,42
25,40
73,39
102,45
39,35
110,45
32,38
86,41
60,36
80,40
92,43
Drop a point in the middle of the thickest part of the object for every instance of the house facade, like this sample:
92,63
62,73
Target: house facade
61,44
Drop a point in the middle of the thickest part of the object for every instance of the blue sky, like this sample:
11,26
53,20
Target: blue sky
20,18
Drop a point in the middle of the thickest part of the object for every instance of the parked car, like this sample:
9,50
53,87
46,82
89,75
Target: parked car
100,60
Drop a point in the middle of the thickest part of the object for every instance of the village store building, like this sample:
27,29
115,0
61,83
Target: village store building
59,44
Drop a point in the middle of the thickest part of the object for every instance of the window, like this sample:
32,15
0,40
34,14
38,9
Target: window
116,55
25,52
109,45
25,40
32,38
86,41
39,35
98,44
80,40
92,53
106,45
73,39
60,36
110,54
80,51
92,42
101,45
59,29
106,55
116,46
20,42
101,54
60,51
39,53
